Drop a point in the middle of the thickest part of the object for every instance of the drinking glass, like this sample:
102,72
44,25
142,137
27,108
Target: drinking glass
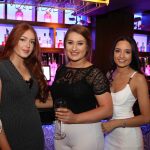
59,133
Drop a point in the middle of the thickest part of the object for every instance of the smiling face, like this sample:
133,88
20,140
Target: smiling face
76,47
25,45
123,54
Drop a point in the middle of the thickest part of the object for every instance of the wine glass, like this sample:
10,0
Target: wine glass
59,133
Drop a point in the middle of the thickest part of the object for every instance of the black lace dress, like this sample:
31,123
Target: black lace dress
78,86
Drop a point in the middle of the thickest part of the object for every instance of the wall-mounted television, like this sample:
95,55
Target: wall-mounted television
47,72
141,40
20,12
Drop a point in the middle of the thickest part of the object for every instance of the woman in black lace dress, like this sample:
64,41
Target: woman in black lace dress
86,91
21,83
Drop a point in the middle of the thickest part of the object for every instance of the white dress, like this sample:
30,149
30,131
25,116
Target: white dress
129,138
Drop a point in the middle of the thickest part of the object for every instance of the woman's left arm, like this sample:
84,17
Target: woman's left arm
142,94
103,111
141,91
47,104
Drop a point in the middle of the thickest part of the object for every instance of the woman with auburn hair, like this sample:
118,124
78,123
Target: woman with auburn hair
22,87
128,85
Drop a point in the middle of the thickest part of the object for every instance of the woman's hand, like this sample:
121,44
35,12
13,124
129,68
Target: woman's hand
109,126
4,145
66,116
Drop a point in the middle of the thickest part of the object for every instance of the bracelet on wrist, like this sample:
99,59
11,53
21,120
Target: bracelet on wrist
124,123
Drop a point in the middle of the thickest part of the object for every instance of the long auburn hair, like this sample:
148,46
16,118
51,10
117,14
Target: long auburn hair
135,62
33,62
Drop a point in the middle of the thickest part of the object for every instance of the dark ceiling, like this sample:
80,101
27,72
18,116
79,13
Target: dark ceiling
137,6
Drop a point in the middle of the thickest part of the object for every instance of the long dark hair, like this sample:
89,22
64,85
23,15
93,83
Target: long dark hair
33,62
135,62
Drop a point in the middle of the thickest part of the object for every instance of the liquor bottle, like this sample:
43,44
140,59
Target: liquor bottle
19,14
53,65
50,66
147,66
6,36
44,41
44,59
49,41
147,70
49,61
137,43
142,47
40,41
142,59
60,44
56,40
61,59
47,16
148,47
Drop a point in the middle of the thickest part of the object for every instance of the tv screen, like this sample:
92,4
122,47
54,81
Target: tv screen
46,71
141,40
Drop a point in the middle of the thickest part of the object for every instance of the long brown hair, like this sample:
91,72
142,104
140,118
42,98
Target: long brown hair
85,32
33,62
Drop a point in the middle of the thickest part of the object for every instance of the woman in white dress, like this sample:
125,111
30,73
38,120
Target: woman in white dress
128,85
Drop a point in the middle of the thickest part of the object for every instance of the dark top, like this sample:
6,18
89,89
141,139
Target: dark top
19,115
78,86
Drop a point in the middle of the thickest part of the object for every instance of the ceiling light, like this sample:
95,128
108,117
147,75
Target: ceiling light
98,1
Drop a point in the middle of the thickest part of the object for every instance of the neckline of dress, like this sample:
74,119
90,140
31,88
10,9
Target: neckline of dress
79,67
14,67
127,85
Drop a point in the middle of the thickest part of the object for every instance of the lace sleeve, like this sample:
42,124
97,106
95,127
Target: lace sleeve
100,83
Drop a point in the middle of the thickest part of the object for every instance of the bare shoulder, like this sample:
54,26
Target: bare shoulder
139,79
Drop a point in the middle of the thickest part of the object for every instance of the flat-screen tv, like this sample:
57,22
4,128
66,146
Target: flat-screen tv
47,72
141,40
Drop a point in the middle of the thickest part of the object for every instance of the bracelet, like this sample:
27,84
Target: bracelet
124,124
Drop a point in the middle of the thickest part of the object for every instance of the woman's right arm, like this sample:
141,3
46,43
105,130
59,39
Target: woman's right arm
47,104
4,145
